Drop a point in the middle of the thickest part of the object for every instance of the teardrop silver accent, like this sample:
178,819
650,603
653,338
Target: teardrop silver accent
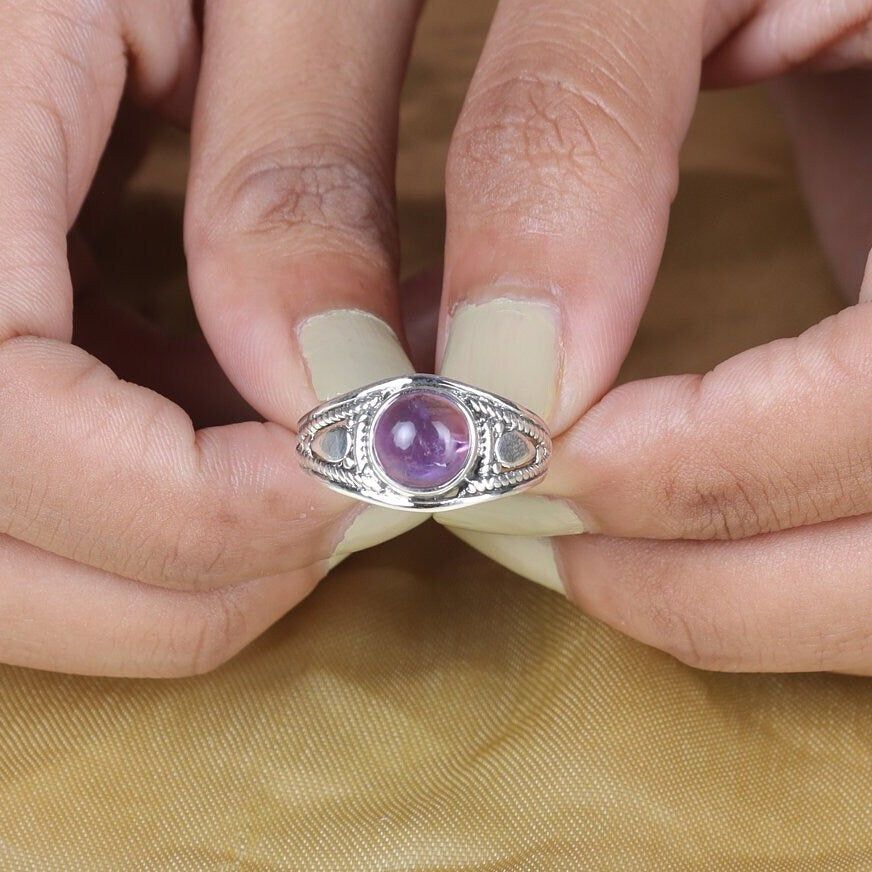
514,449
332,444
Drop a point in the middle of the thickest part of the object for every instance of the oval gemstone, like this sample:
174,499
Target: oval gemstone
422,440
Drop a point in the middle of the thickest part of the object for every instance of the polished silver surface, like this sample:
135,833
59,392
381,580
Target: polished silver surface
510,447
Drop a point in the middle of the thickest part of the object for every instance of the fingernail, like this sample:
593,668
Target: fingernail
372,526
508,346
346,349
529,557
521,515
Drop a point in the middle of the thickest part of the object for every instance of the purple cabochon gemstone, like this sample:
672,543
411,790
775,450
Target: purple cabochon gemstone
422,439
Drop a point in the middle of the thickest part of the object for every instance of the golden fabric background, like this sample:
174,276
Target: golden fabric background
426,710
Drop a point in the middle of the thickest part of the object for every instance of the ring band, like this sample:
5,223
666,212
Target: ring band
424,443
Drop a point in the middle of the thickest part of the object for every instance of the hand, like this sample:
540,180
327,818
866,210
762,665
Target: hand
131,543
732,510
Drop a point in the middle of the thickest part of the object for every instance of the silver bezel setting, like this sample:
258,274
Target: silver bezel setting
449,486
484,477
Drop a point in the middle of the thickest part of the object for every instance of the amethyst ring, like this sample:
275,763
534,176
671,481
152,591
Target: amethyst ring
424,443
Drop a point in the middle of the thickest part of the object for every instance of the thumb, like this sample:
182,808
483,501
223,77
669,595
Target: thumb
559,186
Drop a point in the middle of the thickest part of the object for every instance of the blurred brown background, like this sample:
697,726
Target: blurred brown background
425,709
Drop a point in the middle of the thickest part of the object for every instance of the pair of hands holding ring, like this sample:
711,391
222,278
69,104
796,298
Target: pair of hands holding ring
156,527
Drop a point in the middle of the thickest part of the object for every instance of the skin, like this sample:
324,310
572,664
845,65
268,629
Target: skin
118,552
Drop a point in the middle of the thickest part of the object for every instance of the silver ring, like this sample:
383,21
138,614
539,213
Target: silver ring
424,443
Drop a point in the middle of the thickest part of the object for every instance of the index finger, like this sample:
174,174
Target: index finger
92,468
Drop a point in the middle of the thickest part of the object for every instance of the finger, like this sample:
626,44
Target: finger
63,616
290,227
94,469
773,438
113,475
63,76
776,603
290,231
783,35
560,177
561,172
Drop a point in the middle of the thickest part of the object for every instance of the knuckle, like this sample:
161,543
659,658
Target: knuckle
729,502
197,555
681,606
311,198
563,138
185,536
686,632
743,481
539,127
718,502
726,507
204,638
193,547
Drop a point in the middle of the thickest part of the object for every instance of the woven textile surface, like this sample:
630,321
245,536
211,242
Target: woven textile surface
424,709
